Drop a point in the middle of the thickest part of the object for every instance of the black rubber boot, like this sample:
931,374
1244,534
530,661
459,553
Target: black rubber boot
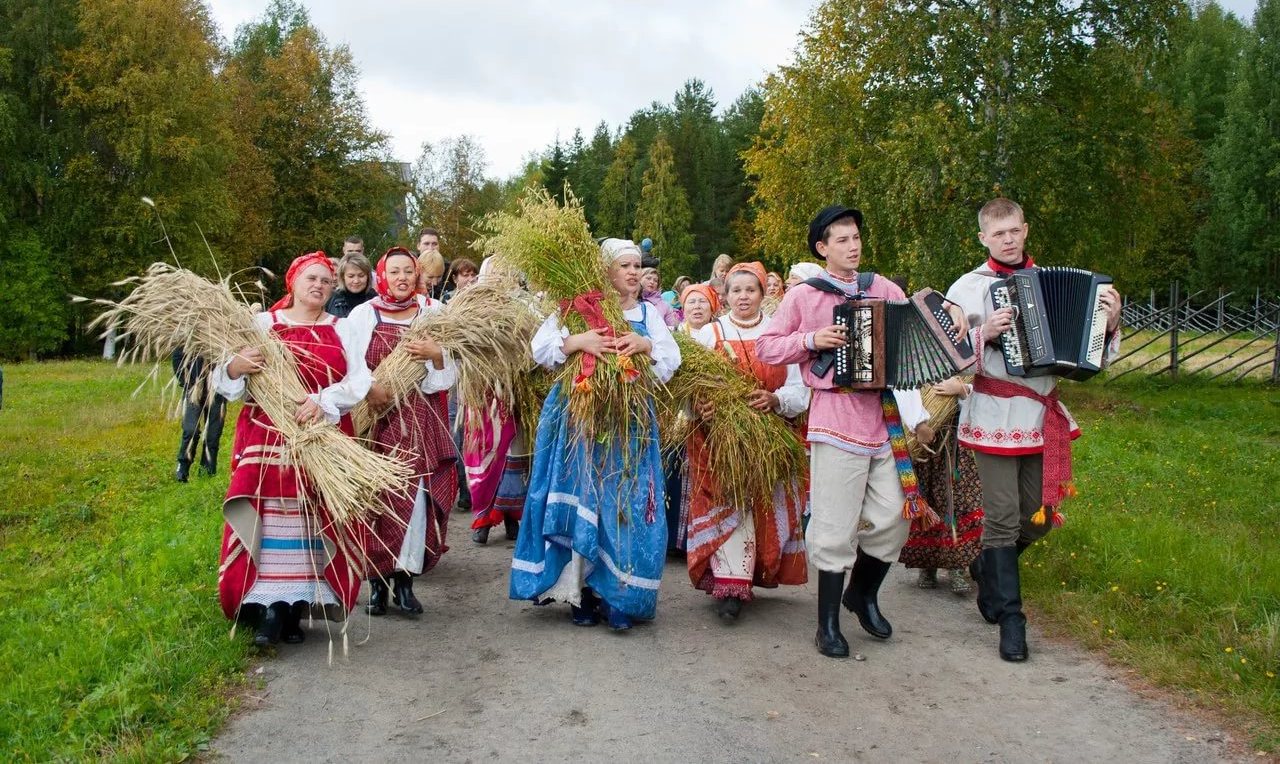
511,526
978,570
861,596
183,473
588,613
269,628
403,593
729,608
480,535
1008,599
829,640
292,633
377,597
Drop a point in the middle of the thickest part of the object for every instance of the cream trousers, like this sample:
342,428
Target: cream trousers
857,502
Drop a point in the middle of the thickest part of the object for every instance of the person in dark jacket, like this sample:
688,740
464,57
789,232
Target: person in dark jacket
199,403
355,285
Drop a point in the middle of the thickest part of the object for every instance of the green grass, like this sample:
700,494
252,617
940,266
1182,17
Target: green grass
1170,557
113,645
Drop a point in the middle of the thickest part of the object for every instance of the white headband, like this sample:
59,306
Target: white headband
806,270
612,249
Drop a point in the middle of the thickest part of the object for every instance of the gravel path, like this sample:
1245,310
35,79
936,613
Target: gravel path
482,678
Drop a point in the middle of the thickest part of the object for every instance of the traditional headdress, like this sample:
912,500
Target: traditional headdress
300,264
384,300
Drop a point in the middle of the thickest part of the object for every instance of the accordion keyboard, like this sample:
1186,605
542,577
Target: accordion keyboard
1097,332
1011,341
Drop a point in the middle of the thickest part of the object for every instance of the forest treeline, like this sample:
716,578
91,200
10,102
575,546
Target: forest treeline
1142,138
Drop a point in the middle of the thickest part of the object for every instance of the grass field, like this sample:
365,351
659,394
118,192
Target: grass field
1170,558
114,645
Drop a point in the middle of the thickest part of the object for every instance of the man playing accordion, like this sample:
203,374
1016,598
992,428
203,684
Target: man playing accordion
857,518
1019,431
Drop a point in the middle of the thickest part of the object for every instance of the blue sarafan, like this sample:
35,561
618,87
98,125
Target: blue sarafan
594,514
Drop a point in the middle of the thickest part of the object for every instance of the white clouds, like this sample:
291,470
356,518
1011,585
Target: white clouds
516,74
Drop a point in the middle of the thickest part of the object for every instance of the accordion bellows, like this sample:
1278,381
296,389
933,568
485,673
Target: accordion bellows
1059,325
899,344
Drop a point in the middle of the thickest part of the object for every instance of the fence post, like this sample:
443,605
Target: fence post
1275,363
1220,309
1175,313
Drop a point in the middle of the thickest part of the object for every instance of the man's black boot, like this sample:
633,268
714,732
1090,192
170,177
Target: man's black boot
403,593
1008,598
377,597
829,640
861,596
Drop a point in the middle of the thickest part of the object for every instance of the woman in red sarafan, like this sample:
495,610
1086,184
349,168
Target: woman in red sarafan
281,555
409,540
731,549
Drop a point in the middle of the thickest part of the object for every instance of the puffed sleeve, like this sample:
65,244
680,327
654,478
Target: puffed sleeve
910,408
548,343
793,396
339,398
666,353
444,377
706,336
224,385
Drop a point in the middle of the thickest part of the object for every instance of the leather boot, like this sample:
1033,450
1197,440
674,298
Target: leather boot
829,640
1008,600
861,596
511,526
269,628
377,597
977,570
183,473
1022,545
403,593
588,613
292,633
729,608
480,535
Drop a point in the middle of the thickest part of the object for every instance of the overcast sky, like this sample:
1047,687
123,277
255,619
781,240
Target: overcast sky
516,73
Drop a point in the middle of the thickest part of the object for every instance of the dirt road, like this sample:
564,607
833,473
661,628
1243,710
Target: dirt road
482,678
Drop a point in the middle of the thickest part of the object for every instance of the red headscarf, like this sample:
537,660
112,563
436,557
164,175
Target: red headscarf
707,291
755,268
384,300
300,264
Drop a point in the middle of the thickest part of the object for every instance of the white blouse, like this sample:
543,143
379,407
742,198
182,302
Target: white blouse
793,396
334,400
364,318
548,343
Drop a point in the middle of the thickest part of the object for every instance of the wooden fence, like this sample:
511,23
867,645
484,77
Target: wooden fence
1199,334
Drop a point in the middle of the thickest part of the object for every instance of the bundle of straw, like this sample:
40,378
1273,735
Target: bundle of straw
552,246
750,451
172,307
942,409
487,329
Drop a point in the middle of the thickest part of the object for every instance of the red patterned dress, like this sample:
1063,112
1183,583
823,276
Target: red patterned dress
412,538
727,556
274,549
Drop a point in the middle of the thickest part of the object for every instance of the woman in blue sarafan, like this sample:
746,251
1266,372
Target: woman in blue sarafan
594,532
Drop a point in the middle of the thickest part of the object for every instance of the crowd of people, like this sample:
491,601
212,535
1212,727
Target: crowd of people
596,519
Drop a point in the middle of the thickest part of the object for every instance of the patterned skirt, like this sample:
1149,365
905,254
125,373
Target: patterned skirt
958,540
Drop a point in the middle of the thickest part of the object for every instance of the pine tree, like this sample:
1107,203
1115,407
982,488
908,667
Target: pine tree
663,213
1240,245
617,197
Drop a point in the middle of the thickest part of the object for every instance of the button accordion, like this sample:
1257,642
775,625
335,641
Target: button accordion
900,344
1059,324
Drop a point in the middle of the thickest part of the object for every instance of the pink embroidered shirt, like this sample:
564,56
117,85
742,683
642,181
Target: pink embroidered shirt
850,421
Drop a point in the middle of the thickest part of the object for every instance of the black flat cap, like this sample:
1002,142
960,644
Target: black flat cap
825,217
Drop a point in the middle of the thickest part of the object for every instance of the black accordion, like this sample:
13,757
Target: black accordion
1059,324
899,344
